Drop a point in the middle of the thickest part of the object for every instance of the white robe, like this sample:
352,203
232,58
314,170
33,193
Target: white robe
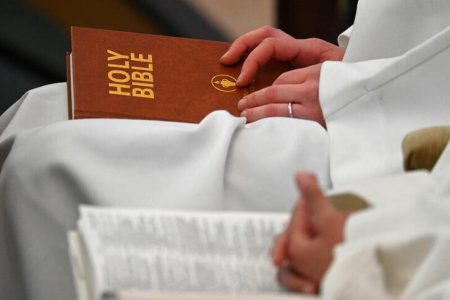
48,170
400,248
394,79
49,166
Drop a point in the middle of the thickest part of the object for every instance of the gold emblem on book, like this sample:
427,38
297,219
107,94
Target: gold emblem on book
224,83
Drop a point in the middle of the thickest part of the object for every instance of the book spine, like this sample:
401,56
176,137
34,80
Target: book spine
69,86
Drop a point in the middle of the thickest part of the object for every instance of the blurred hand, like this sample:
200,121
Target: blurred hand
304,251
299,86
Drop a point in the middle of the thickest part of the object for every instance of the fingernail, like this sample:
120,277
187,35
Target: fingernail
239,79
244,114
241,76
242,104
224,55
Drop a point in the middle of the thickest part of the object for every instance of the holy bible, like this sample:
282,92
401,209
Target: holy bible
130,254
114,74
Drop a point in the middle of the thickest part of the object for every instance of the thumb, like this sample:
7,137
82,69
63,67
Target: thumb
313,197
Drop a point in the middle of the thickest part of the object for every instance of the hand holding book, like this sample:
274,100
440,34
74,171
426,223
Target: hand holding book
113,74
299,86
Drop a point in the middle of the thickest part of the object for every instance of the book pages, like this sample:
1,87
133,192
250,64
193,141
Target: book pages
204,296
169,251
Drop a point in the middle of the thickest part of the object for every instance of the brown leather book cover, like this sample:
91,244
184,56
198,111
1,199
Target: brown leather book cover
115,74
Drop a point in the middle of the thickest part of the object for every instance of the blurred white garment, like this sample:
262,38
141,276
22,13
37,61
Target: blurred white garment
398,249
49,165
394,77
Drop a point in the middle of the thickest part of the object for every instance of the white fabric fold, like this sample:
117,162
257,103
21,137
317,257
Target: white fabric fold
50,166
397,249
389,28
370,106
394,79
344,37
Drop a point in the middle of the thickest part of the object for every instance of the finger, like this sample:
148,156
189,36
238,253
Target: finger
268,111
293,281
295,76
312,258
299,221
280,49
302,253
313,51
249,41
279,250
301,239
275,94
312,195
299,111
295,222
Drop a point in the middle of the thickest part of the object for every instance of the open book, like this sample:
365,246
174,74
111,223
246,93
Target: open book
131,254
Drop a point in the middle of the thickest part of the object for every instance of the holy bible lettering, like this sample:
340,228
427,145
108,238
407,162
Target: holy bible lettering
130,75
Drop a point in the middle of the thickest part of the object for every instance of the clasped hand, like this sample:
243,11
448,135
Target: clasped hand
304,251
299,86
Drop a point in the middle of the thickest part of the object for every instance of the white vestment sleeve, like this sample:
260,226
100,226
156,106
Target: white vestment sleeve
370,106
389,28
344,37
398,249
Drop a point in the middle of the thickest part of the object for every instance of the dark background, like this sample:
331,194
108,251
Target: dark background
34,34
